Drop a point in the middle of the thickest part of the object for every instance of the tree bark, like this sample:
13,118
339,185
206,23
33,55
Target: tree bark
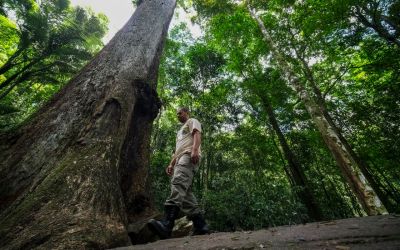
342,157
386,198
76,175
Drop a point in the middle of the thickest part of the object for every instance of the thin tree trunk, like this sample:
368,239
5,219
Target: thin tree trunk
16,81
76,175
10,62
16,75
341,155
327,195
365,169
285,167
298,176
377,27
333,205
209,164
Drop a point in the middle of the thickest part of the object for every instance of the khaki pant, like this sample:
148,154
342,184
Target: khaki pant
181,186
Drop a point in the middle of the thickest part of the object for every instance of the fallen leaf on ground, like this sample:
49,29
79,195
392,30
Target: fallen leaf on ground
342,247
328,223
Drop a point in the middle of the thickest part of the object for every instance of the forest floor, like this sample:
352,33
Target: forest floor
373,232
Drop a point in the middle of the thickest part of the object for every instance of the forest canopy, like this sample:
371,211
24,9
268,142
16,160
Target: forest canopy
270,81
265,157
43,44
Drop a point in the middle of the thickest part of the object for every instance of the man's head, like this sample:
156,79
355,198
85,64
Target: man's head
182,114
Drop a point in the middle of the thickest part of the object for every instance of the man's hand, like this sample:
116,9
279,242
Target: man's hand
195,156
169,170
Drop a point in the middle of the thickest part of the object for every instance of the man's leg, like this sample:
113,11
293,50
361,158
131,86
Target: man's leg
191,208
180,183
164,227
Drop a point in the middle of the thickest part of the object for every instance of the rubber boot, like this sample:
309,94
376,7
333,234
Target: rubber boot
199,225
163,228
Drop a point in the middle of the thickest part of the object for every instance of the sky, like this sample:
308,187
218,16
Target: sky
119,12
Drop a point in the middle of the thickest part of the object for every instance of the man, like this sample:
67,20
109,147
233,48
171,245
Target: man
183,166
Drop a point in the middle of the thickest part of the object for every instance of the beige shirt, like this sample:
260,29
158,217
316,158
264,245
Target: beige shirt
184,138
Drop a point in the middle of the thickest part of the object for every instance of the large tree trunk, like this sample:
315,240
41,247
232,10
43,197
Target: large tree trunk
343,158
76,175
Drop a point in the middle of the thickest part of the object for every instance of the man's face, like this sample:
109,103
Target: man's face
182,116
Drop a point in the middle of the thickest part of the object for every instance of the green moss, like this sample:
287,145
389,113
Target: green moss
53,187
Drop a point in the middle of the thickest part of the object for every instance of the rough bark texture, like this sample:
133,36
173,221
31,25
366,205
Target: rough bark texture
332,139
76,175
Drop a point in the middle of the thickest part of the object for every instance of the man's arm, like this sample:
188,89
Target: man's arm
195,155
170,169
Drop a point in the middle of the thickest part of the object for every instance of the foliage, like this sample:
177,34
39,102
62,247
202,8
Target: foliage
232,203
344,52
225,78
40,51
